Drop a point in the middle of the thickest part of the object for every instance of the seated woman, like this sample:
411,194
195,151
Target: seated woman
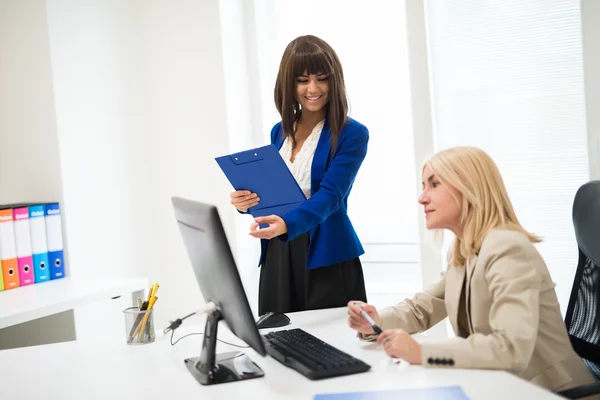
497,291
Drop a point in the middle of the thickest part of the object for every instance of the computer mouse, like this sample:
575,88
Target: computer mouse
272,320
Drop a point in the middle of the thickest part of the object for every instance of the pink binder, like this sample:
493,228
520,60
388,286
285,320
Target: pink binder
23,244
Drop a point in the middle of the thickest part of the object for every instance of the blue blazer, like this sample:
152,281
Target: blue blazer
325,214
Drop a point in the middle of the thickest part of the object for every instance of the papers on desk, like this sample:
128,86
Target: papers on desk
435,393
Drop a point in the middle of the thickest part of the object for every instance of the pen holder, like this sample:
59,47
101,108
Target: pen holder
139,325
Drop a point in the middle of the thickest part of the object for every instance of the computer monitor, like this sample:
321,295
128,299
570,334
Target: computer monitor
217,275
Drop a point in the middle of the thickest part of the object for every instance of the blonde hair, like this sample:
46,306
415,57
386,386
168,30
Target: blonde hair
485,202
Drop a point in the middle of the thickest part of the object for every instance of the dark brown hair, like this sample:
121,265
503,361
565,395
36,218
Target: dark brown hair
311,55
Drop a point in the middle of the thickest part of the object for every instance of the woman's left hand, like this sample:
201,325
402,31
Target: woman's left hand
276,227
399,344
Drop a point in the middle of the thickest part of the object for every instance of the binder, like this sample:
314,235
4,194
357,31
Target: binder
54,239
427,393
39,245
263,171
8,251
23,245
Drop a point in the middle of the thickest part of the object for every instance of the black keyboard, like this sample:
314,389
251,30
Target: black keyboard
310,356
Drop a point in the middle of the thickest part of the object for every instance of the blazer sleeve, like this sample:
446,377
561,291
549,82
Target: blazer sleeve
337,181
414,315
514,281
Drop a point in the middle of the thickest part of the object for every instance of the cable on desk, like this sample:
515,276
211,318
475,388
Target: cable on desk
201,333
177,323
208,307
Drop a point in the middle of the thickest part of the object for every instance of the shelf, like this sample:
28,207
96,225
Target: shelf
39,300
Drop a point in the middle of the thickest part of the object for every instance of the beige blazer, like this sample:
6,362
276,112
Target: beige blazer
510,316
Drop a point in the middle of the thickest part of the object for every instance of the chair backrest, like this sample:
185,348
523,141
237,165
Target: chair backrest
583,312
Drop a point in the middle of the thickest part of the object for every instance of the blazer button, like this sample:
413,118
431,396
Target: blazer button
451,362
437,361
430,360
444,361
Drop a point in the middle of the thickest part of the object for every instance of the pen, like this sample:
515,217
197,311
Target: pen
143,307
368,318
142,326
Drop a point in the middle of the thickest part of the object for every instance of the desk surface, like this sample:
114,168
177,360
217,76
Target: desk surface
77,370
42,299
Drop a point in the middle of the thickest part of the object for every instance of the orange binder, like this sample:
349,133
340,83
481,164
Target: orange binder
8,251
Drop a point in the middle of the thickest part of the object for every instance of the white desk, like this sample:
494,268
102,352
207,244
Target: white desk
108,370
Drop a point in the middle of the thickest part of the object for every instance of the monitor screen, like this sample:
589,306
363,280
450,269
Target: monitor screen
215,269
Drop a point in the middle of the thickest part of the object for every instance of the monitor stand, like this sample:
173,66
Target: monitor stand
211,368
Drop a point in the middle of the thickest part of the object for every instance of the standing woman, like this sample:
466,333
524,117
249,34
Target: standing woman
309,258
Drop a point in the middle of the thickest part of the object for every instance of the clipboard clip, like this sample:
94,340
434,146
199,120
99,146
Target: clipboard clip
246,157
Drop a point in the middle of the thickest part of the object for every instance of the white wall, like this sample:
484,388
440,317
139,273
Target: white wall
29,159
137,115
95,50
590,30
187,124
141,116
29,152
102,135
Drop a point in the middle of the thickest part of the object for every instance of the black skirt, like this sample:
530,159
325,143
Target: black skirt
287,286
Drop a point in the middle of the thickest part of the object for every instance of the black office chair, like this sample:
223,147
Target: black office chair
583,313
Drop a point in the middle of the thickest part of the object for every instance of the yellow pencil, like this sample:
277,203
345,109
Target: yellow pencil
154,290
149,294
142,325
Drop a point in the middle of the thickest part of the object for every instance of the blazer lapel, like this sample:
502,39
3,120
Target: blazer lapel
455,277
279,138
320,159
471,263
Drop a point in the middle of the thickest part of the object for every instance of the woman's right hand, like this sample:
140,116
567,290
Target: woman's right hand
244,199
357,321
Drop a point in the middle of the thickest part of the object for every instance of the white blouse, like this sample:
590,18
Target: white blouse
301,167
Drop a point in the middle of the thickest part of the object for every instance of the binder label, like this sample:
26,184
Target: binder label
21,215
22,232
53,227
7,236
39,243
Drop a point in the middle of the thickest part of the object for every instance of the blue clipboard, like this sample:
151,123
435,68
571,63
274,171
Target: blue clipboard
263,171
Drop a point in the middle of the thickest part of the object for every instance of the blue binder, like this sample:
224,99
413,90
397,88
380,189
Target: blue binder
55,240
39,243
428,393
263,171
